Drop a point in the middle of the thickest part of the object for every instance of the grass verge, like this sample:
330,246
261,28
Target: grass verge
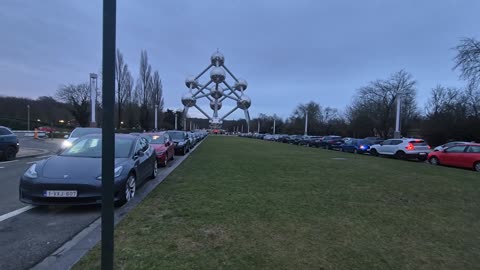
239,203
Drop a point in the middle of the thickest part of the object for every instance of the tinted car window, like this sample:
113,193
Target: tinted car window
177,135
456,149
387,142
473,149
155,139
4,131
79,132
92,147
419,143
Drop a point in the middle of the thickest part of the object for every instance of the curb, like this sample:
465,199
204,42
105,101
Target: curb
66,256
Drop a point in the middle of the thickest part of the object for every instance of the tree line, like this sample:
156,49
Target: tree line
451,113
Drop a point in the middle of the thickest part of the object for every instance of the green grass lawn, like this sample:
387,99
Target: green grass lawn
239,203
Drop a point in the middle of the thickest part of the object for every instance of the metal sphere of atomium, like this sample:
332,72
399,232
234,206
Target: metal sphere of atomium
212,105
244,102
216,92
241,83
188,100
191,82
217,75
217,57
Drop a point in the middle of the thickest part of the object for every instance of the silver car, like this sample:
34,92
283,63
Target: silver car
403,148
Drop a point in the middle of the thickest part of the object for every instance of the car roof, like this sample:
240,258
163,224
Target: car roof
117,135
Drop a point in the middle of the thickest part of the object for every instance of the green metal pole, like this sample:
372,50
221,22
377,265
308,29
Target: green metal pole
108,129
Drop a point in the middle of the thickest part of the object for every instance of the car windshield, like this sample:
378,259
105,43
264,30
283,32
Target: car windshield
79,132
155,138
92,147
177,135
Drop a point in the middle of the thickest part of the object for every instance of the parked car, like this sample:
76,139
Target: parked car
293,139
268,137
47,129
73,177
404,148
447,145
180,140
163,146
460,155
9,145
77,133
330,142
356,146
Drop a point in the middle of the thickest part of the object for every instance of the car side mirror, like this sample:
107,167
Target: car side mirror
66,136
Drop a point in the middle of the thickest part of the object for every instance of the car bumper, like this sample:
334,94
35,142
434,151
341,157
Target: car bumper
32,192
420,156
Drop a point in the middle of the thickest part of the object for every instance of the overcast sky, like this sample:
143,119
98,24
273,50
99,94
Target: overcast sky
288,51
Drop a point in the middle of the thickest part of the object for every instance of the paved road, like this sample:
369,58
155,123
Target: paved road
29,237
52,145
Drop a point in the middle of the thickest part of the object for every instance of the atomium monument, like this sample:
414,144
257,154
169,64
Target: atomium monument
217,90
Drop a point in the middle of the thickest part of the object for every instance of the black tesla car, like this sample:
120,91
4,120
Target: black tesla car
73,177
181,141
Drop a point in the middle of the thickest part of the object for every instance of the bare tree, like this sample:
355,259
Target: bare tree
78,96
121,76
376,103
157,94
468,60
143,90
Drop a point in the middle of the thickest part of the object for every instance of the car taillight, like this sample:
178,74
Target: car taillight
410,146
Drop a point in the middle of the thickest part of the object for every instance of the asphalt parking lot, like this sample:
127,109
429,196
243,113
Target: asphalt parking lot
29,233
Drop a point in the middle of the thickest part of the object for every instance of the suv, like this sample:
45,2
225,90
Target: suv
404,148
330,142
9,145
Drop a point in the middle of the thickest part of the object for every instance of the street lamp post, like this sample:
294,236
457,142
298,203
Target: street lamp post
306,122
28,117
93,98
396,134
156,114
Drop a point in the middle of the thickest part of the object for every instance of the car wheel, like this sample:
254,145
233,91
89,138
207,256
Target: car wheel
434,161
477,166
129,190
400,155
10,154
155,169
374,152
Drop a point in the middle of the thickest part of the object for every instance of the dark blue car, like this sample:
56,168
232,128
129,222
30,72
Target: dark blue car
9,145
357,146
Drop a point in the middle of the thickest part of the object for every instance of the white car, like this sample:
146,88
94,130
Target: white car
449,144
77,133
403,148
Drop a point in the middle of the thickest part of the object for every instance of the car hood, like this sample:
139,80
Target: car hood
74,167
159,147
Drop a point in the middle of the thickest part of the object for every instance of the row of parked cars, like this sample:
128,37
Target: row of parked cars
74,176
457,153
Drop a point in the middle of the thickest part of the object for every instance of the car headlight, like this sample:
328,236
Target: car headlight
32,172
116,172
66,144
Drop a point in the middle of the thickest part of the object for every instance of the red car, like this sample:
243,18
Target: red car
163,146
464,156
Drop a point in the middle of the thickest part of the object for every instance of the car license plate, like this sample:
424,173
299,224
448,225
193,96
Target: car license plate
422,154
60,193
